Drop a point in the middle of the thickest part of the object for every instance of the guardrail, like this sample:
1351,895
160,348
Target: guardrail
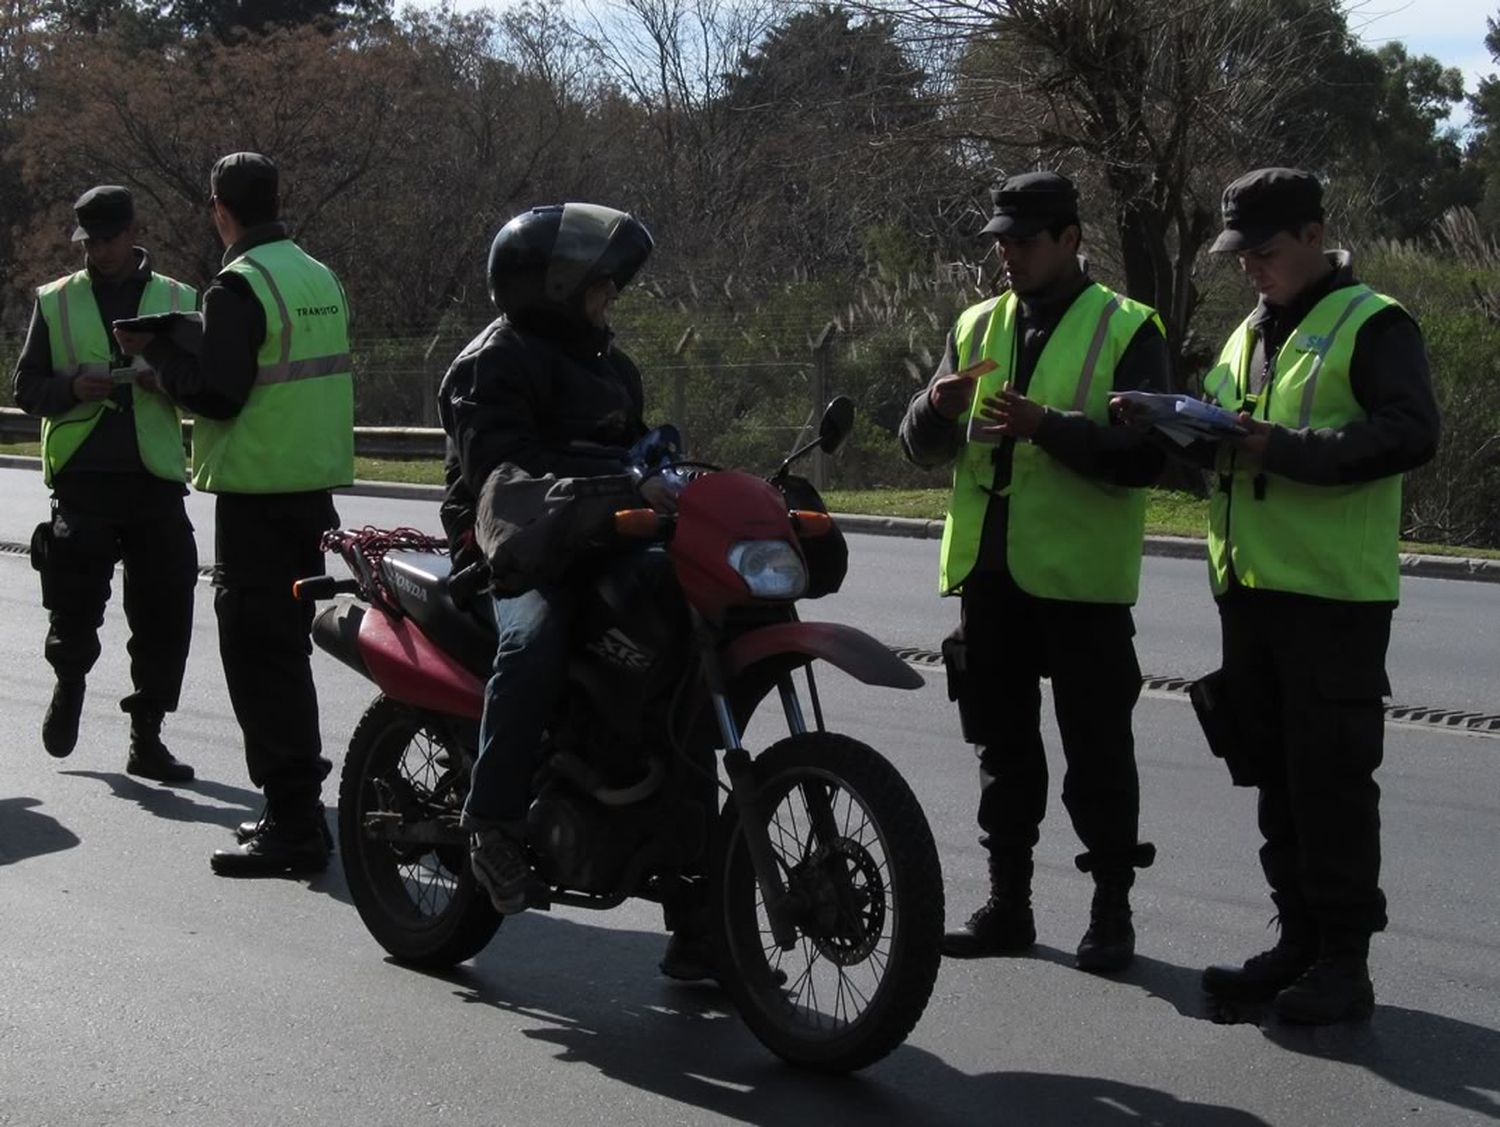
369,442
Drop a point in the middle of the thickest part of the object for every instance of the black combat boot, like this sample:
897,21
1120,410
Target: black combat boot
246,830
289,843
60,725
1261,977
1335,988
1003,925
149,757
1109,943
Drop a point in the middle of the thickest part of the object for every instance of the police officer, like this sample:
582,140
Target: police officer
112,454
1043,545
273,390
1333,385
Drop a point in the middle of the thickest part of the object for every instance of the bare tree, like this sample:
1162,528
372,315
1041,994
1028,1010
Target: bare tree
1156,105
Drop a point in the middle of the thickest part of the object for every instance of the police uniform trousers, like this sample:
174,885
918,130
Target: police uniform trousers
1304,679
1010,641
264,543
99,520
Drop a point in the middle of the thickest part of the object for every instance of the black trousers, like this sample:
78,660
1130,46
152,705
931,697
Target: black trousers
264,543
1010,640
99,520
1304,680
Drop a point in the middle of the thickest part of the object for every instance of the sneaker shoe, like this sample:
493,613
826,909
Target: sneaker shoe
498,859
60,725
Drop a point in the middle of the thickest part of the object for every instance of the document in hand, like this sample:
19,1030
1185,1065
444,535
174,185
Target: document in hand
185,330
1184,419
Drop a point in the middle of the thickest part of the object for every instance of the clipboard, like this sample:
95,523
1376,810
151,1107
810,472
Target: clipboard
185,330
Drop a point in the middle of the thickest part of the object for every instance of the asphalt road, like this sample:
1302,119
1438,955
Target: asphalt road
137,988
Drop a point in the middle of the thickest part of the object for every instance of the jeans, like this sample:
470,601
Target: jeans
531,664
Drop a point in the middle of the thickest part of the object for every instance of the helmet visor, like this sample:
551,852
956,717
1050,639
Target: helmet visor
594,243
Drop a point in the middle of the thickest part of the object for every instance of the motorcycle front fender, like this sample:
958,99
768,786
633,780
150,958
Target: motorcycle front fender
852,650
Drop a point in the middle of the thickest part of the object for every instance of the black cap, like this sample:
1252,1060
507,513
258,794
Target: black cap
103,212
1031,202
245,180
1262,203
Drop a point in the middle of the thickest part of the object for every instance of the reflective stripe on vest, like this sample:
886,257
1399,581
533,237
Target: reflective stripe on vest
1331,541
1067,536
81,347
296,431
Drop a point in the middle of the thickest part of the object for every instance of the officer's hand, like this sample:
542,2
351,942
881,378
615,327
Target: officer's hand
1010,415
659,495
87,389
1253,445
950,396
1129,413
133,344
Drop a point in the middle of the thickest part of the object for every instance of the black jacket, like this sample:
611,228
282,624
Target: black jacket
538,396
216,382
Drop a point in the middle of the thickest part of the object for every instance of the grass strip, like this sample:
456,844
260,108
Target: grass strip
1167,513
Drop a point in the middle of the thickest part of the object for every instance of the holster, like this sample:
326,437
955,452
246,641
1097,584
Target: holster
41,544
1224,732
956,661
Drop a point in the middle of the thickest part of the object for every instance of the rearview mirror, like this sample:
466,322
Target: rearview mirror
838,422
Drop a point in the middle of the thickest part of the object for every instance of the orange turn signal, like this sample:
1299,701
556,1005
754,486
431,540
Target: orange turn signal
810,524
637,523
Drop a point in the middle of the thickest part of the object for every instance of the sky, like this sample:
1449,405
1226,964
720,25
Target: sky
1451,30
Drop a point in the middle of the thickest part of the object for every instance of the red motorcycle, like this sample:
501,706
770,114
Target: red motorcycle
816,877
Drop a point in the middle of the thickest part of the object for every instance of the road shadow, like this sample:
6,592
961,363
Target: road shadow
25,833
1178,986
1440,1058
593,993
176,803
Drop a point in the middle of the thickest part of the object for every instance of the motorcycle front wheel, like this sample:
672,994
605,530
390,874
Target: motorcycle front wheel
419,900
857,857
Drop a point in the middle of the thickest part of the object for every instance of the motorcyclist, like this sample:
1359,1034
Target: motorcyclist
542,390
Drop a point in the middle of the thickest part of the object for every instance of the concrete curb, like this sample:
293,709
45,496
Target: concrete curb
1172,547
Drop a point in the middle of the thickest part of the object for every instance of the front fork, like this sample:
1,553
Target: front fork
782,910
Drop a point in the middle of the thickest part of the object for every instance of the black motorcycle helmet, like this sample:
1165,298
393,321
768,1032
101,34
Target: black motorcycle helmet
543,260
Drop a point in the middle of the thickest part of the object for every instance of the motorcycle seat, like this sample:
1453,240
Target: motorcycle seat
419,583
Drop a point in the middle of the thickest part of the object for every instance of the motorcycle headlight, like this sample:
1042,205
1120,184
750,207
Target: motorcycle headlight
772,569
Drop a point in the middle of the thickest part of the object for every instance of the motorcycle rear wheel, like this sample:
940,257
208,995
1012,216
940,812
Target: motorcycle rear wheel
420,902
856,853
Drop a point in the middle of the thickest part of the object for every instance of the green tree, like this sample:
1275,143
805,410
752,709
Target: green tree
1484,147
1398,166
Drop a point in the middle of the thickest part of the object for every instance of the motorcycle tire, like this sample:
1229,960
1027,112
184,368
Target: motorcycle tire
420,902
861,862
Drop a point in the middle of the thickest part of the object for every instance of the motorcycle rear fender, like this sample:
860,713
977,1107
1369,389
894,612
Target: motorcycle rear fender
851,650
400,659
